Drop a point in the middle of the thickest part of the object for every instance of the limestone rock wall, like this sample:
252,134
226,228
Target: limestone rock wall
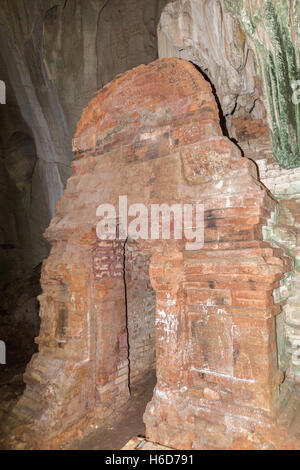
203,32
22,222
87,43
126,36
272,28
283,229
234,43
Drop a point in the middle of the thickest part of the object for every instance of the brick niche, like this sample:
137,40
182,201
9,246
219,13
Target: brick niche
153,134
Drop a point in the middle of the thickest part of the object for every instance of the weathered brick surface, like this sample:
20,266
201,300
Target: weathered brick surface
154,135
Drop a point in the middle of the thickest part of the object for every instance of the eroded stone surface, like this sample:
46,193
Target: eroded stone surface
272,28
203,32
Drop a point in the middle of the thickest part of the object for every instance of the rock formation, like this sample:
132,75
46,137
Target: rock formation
202,32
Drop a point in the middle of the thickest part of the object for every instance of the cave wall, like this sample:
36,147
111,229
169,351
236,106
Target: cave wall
22,222
250,51
203,32
272,28
93,41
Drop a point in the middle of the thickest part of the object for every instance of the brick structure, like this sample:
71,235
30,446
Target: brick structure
153,134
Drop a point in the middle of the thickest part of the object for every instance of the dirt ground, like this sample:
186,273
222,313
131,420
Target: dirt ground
116,433
127,424
11,388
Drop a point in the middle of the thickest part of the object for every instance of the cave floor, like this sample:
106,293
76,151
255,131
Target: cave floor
11,388
123,426
118,430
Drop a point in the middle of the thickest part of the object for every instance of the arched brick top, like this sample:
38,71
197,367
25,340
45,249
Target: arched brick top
166,92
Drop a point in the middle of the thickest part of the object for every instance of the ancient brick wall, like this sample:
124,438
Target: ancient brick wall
153,134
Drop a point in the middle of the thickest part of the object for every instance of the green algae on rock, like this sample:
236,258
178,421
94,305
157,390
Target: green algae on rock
272,28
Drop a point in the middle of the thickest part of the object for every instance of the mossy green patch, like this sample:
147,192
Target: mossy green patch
272,28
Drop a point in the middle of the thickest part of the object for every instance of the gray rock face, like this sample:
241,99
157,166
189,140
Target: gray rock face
88,42
126,36
202,32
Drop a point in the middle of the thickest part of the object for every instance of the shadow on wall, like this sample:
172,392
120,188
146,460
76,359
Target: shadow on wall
19,273
87,43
